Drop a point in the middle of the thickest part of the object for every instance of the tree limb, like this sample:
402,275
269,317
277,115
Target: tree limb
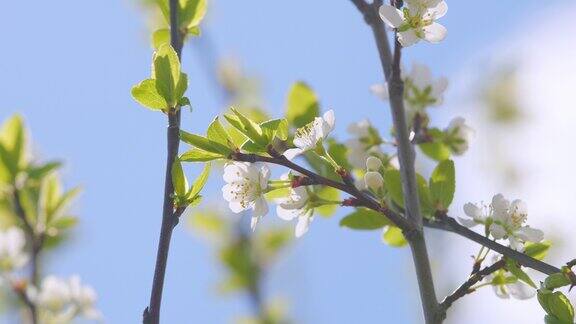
169,217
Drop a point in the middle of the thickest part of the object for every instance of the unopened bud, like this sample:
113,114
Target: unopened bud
373,180
373,163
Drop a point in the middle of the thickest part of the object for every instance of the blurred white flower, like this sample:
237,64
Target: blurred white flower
416,21
373,180
373,163
296,206
507,285
505,220
307,137
245,186
459,135
364,143
60,300
12,254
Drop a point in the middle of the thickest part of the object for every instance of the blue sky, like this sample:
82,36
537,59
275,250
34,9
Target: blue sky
68,67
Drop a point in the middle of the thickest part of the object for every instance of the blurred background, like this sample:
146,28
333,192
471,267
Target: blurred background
68,67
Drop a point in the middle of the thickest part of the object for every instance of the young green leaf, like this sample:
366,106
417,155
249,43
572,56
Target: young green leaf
557,280
250,128
437,151
393,184
302,105
198,155
167,74
160,37
519,273
192,13
205,144
179,179
12,147
275,128
329,194
393,236
557,305
537,250
200,182
443,185
364,219
146,94
217,133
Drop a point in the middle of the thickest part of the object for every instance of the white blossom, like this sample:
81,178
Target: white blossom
505,220
373,163
245,186
296,206
416,21
308,137
60,300
364,143
12,254
505,286
459,135
373,180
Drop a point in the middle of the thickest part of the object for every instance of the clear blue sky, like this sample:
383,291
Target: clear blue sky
68,67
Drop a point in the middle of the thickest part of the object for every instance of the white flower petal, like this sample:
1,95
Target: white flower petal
391,15
236,207
473,211
264,176
497,231
466,222
434,33
520,290
292,153
408,38
529,234
329,121
260,207
303,224
437,11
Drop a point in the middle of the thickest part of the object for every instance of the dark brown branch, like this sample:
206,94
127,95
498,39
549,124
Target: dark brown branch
169,218
451,225
363,199
466,287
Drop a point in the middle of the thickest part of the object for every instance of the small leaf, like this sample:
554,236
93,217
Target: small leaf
37,172
200,182
338,152
364,219
443,185
145,93
426,206
393,236
64,222
12,148
557,280
217,133
192,13
167,73
436,150
537,250
179,179
250,146
393,184
302,105
275,128
198,155
330,194
250,128
205,144
519,273
160,37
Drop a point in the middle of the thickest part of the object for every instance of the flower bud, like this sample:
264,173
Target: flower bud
373,180
373,163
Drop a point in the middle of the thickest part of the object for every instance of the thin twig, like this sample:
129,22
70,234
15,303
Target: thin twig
35,245
451,225
169,218
466,287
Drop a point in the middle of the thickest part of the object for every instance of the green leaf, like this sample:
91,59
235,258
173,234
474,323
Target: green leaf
12,148
549,319
64,223
37,172
198,155
167,74
393,184
513,267
248,127
181,87
436,150
393,236
330,194
160,37
537,250
424,196
275,128
191,13
557,280
217,133
205,144
250,146
443,185
302,105
557,305
179,179
364,219
145,93
338,152
200,182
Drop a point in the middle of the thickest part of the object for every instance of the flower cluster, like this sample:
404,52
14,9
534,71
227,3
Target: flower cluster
503,220
61,300
416,21
506,284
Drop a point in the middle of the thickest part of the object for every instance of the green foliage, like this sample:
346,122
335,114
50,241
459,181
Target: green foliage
443,185
393,236
184,196
248,127
198,155
328,194
190,14
393,184
302,105
12,149
205,144
557,306
557,280
179,180
218,134
537,250
160,37
165,90
437,149
364,219
338,152
513,267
